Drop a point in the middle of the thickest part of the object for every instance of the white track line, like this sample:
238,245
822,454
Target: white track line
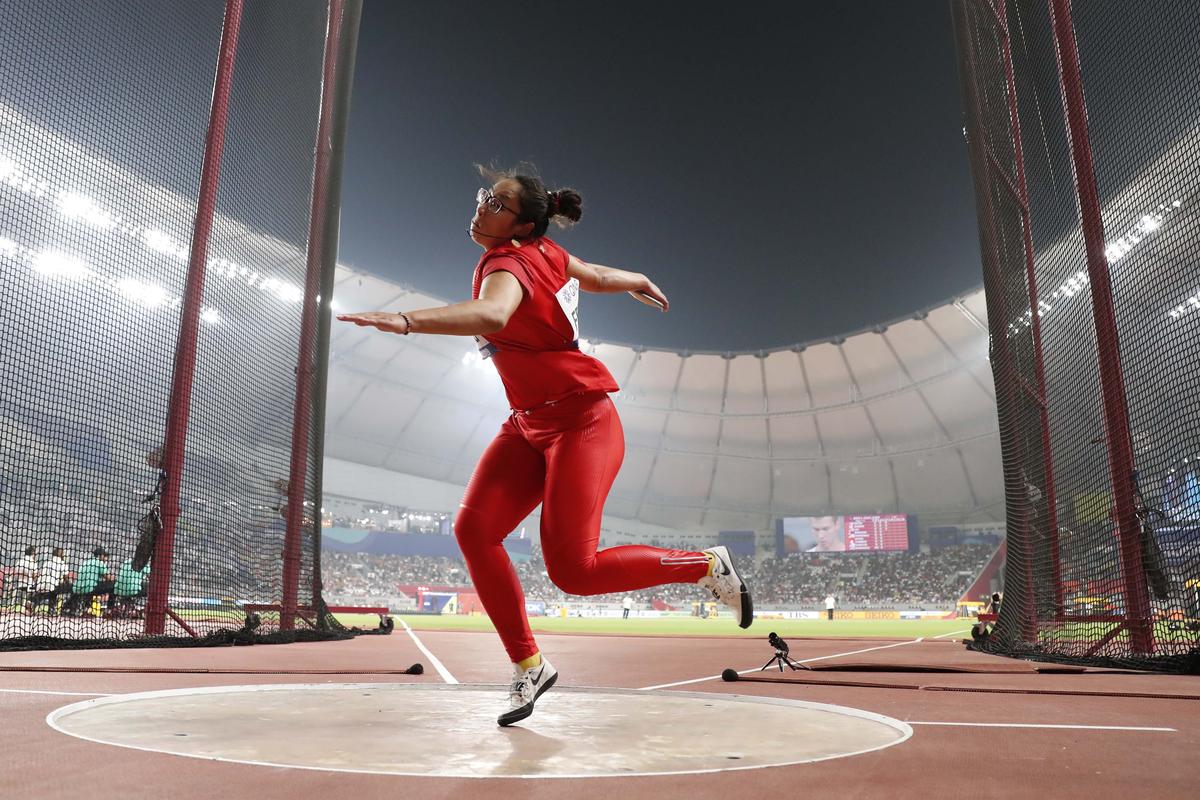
951,633
1066,727
42,691
801,661
445,673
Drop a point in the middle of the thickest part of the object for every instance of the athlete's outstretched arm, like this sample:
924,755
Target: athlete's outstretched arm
499,295
598,278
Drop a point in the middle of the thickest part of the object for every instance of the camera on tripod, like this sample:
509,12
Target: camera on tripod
781,656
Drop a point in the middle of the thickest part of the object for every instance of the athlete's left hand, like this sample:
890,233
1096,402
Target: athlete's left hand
391,323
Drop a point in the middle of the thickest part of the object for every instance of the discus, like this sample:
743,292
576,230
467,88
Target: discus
654,300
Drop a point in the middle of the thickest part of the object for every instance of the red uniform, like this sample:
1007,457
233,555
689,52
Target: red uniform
537,354
562,447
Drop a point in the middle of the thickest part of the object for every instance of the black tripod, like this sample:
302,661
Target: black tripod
781,656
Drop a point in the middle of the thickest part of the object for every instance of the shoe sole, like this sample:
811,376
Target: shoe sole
747,616
747,608
518,714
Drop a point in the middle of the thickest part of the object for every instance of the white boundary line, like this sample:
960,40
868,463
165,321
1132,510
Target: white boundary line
55,718
803,661
445,673
1056,727
43,691
951,633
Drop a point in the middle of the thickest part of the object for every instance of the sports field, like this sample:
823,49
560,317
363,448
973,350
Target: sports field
686,626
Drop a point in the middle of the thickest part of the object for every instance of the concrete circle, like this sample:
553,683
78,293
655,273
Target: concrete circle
451,731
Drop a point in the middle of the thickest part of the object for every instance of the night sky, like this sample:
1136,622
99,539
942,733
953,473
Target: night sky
785,171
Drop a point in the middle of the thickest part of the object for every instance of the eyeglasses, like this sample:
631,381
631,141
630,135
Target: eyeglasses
485,198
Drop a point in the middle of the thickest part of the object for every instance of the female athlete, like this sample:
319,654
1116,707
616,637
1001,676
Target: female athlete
563,444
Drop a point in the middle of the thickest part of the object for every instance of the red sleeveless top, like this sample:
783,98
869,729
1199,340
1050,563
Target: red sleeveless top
537,353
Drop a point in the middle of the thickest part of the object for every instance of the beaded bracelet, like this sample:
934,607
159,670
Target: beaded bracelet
407,324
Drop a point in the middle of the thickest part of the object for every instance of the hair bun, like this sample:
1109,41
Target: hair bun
568,203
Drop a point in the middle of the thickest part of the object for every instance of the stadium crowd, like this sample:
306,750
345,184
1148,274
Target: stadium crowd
51,586
64,562
921,579
236,552
878,580
364,579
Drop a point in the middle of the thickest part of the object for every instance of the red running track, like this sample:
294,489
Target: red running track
960,759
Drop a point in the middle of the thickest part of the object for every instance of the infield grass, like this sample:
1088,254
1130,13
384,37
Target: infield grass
689,626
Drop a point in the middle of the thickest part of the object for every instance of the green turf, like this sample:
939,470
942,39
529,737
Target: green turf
689,626
662,626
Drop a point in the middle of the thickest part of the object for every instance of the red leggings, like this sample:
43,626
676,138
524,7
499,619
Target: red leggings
564,456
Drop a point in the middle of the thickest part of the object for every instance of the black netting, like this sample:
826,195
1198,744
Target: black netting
1092,578
104,111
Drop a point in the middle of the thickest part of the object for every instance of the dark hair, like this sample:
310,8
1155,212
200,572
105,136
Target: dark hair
99,552
538,205
31,550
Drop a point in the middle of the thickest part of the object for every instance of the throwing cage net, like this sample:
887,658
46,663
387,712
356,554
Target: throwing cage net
1083,128
167,246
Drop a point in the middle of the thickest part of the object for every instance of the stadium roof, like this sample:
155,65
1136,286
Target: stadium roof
897,418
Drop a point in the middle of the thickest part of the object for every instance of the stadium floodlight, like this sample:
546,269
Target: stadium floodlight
1114,251
1142,228
223,267
74,205
1183,308
289,293
162,243
210,316
54,264
145,294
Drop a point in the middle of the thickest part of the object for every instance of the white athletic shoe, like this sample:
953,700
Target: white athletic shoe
727,587
527,686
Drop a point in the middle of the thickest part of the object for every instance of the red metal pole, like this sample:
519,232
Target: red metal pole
1010,383
1035,322
189,327
1116,414
306,366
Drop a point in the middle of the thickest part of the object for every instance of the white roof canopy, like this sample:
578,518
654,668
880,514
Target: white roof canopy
899,418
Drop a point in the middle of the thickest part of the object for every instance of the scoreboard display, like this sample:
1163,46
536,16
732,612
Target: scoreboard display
854,533
877,532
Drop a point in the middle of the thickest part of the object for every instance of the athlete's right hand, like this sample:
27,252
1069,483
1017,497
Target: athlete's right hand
391,323
651,291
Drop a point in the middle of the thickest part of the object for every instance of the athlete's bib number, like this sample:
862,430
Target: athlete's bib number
568,300
486,348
